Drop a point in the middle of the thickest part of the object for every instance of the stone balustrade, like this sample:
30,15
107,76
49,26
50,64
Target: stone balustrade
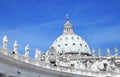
52,67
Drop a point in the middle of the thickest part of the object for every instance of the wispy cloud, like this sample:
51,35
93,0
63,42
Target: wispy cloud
108,34
37,36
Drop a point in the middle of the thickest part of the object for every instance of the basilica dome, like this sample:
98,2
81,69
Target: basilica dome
69,42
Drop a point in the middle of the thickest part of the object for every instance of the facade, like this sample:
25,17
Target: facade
68,56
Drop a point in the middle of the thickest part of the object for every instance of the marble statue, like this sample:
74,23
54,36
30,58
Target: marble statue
99,52
27,50
116,51
5,42
15,47
108,52
38,54
93,52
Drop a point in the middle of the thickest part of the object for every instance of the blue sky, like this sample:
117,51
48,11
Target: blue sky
39,22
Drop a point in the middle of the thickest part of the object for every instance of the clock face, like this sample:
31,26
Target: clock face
52,54
52,57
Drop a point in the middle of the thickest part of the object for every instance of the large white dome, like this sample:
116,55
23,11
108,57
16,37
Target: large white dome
69,42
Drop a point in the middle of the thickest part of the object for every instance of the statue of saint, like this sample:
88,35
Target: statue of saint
37,54
27,50
15,48
5,42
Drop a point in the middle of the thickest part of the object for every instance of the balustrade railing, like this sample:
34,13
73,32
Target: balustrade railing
50,66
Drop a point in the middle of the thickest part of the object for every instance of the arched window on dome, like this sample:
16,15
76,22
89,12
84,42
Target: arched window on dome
66,44
86,46
78,38
66,38
73,44
58,45
72,38
80,45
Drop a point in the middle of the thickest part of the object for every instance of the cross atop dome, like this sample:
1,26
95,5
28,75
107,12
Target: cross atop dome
67,26
67,16
67,21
